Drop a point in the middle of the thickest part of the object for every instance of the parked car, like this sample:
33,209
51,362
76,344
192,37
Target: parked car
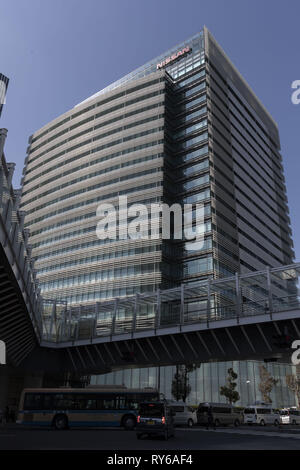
262,415
155,418
290,416
223,414
185,415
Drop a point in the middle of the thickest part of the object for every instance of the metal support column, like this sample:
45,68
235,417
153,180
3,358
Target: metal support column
270,297
182,304
238,296
158,310
208,311
136,303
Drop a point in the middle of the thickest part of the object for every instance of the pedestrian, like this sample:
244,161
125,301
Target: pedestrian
210,418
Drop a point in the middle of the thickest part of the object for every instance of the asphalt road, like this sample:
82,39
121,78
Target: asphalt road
244,438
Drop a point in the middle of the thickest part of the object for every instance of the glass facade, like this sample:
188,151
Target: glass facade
206,381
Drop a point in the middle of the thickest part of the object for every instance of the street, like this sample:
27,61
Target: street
13,437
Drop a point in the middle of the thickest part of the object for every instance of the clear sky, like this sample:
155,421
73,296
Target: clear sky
58,52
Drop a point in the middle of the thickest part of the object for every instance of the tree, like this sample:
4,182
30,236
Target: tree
180,383
293,383
228,390
267,383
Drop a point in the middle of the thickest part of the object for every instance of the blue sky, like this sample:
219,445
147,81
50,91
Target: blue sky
58,52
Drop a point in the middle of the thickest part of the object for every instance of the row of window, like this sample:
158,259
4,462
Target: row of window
102,257
100,276
195,89
192,141
99,136
122,117
194,183
248,142
265,146
84,401
88,215
71,207
237,150
89,176
276,200
188,130
80,156
96,186
180,72
193,115
89,119
196,266
193,103
191,155
96,105
191,79
77,233
53,157
200,196
99,295
190,170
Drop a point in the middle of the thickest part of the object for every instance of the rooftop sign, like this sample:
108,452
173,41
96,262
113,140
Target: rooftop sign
173,57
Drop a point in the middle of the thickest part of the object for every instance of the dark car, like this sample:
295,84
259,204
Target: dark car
155,419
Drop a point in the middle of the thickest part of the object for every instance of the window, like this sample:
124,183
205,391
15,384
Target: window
33,401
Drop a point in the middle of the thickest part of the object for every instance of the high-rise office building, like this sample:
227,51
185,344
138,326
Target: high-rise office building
183,128
3,87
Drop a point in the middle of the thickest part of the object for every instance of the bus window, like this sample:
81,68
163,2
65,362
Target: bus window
108,404
121,403
62,401
33,401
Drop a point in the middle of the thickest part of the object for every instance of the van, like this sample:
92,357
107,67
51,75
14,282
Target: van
223,414
290,416
185,415
262,415
155,419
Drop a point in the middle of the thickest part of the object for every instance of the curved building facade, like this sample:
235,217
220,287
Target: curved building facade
112,146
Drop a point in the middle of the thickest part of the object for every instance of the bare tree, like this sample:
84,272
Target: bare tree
267,383
293,383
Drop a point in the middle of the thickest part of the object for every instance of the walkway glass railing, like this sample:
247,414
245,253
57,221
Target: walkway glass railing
258,293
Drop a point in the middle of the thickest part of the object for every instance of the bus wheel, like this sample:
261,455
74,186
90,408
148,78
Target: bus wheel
262,423
129,422
60,422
